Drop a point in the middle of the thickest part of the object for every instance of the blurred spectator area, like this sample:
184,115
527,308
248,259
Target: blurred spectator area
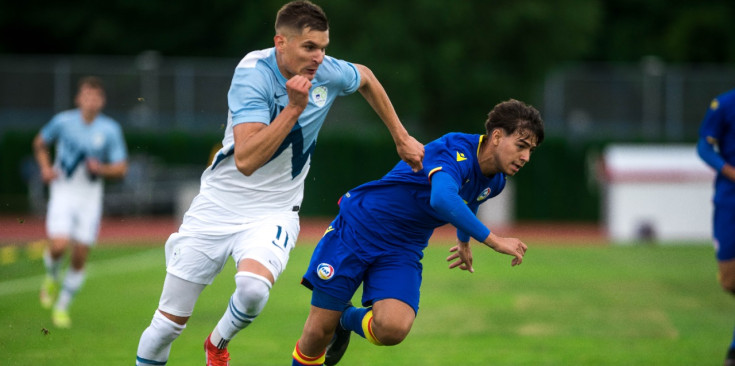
173,111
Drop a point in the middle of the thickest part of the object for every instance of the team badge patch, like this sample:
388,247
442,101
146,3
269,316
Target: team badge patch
484,194
319,95
325,271
98,140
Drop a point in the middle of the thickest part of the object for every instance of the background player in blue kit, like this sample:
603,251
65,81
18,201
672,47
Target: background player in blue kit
89,147
248,203
383,226
716,147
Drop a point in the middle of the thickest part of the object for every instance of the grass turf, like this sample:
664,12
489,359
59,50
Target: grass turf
601,305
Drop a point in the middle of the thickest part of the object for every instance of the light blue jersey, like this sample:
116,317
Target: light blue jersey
77,141
258,94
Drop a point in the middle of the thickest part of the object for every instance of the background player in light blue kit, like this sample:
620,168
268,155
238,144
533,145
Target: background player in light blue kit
383,226
89,147
716,147
248,203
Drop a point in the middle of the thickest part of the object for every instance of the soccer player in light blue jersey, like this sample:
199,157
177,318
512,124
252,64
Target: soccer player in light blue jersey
89,147
248,203
716,147
378,238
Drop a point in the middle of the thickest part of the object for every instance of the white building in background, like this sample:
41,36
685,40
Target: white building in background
656,192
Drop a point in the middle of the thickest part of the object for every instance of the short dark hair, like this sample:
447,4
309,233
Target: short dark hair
299,15
92,82
513,115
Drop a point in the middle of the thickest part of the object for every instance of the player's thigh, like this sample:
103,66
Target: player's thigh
394,275
727,274
268,241
197,258
59,217
334,268
87,216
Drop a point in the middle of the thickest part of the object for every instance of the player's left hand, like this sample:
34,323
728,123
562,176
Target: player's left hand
462,257
412,152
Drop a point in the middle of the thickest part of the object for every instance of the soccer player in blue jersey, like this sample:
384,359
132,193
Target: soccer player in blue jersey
248,203
383,226
716,146
89,147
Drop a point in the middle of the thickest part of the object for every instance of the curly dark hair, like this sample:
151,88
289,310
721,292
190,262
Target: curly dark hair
513,115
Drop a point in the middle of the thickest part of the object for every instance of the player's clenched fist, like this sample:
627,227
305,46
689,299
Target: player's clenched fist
298,91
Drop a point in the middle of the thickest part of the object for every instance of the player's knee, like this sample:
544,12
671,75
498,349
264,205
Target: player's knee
164,328
317,335
390,333
728,283
252,292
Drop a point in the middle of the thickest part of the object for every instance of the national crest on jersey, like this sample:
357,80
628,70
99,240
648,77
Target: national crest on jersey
484,194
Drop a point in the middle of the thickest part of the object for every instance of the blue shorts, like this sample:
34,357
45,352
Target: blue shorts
724,232
338,267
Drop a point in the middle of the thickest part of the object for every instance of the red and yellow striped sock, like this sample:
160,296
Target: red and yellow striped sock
367,328
300,359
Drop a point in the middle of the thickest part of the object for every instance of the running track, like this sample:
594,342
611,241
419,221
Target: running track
19,230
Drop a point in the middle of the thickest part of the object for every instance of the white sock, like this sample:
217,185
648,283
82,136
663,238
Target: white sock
72,283
52,265
246,303
155,342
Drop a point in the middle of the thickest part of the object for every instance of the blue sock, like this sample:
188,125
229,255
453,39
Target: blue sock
732,345
352,319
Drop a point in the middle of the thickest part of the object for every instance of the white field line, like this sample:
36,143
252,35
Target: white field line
134,262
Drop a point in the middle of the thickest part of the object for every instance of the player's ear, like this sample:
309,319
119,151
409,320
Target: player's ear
279,41
496,135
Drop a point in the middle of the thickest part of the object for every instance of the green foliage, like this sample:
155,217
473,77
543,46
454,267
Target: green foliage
597,305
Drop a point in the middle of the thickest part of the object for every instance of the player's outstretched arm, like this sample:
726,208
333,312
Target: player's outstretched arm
462,256
409,149
509,246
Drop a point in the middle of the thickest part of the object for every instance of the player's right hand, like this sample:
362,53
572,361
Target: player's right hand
412,152
510,246
298,91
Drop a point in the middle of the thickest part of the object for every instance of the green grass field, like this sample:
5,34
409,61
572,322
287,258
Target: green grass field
597,305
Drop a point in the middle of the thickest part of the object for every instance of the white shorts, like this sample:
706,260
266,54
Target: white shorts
211,234
74,217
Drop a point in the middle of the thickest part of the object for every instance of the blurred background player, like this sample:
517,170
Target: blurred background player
250,195
89,148
716,146
383,226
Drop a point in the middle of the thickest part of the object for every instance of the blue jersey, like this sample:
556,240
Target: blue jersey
719,124
77,141
258,94
396,210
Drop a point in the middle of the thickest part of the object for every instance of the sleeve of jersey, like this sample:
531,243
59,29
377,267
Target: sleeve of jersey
708,153
50,131
709,132
348,73
446,202
247,98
